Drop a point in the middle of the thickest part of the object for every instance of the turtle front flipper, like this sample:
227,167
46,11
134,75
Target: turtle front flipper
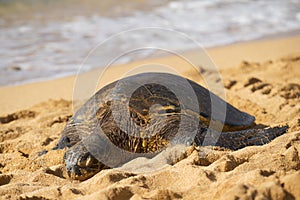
239,139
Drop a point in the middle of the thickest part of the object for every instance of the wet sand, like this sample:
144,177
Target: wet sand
261,78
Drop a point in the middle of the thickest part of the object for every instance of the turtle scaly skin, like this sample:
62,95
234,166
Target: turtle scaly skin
148,119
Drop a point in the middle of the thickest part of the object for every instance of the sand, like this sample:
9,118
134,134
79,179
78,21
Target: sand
261,78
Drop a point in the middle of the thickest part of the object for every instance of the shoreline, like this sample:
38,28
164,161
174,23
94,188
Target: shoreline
275,36
223,57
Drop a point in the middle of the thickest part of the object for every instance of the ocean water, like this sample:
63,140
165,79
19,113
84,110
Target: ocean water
45,39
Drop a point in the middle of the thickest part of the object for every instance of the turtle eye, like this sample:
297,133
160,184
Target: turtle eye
67,139
62,143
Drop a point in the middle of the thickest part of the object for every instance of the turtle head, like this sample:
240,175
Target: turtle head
80,164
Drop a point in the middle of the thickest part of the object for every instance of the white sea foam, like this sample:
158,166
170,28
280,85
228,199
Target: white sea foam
54,48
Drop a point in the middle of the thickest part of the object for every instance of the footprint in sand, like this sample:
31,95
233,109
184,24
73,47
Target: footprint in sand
17,115
229,84
252,81
59,119
290,91
12,133
5,179
258,85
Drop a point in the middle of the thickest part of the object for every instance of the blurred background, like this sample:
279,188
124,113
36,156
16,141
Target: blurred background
46,39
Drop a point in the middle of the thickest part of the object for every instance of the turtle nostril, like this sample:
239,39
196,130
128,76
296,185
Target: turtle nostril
69,168
69,173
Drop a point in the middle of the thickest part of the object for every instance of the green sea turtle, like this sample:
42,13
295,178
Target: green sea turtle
142,114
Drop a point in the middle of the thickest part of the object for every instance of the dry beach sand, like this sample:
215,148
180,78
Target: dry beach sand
261,78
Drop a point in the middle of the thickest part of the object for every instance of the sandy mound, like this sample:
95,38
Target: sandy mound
269,90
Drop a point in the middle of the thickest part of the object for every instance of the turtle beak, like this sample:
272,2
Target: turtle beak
82,167
73,172
80,173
